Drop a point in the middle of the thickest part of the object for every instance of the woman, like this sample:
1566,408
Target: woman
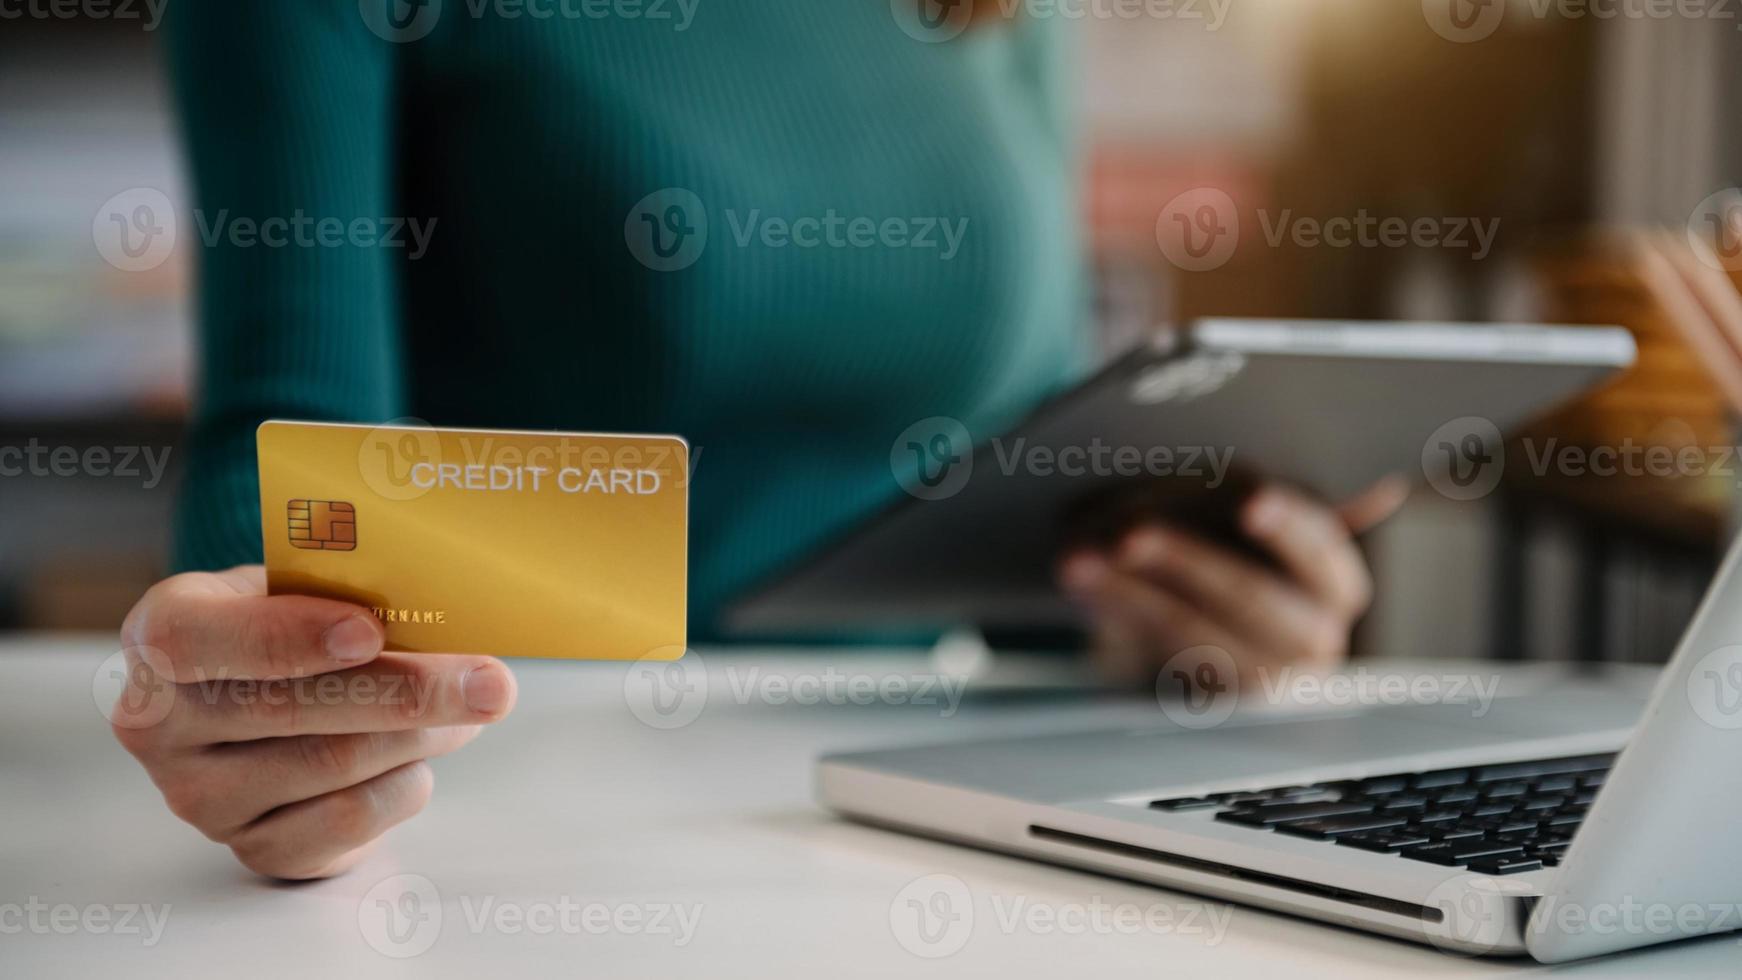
559,169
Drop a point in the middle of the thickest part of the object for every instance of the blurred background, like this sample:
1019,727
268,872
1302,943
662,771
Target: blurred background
1551,124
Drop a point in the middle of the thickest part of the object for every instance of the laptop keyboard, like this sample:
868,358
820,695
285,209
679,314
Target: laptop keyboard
1495,820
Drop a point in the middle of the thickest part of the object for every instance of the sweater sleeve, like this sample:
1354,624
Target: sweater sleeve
287,114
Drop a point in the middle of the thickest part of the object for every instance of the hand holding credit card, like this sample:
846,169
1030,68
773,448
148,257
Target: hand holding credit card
528,544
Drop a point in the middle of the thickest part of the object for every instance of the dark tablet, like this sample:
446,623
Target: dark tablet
1181,429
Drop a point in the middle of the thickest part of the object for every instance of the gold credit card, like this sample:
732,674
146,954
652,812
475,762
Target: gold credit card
522,544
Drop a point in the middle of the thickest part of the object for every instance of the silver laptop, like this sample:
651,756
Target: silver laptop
1560,826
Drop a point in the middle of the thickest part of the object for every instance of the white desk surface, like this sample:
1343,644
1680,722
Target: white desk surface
573,803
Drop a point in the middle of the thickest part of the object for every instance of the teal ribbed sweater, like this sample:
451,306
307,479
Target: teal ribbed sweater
528,143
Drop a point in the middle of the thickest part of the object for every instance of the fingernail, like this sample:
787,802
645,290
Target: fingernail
352,639
1145,547
1264,514
1083,573
485,690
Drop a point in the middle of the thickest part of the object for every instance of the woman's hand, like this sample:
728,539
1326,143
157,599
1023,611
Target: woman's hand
1162,591
276,724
